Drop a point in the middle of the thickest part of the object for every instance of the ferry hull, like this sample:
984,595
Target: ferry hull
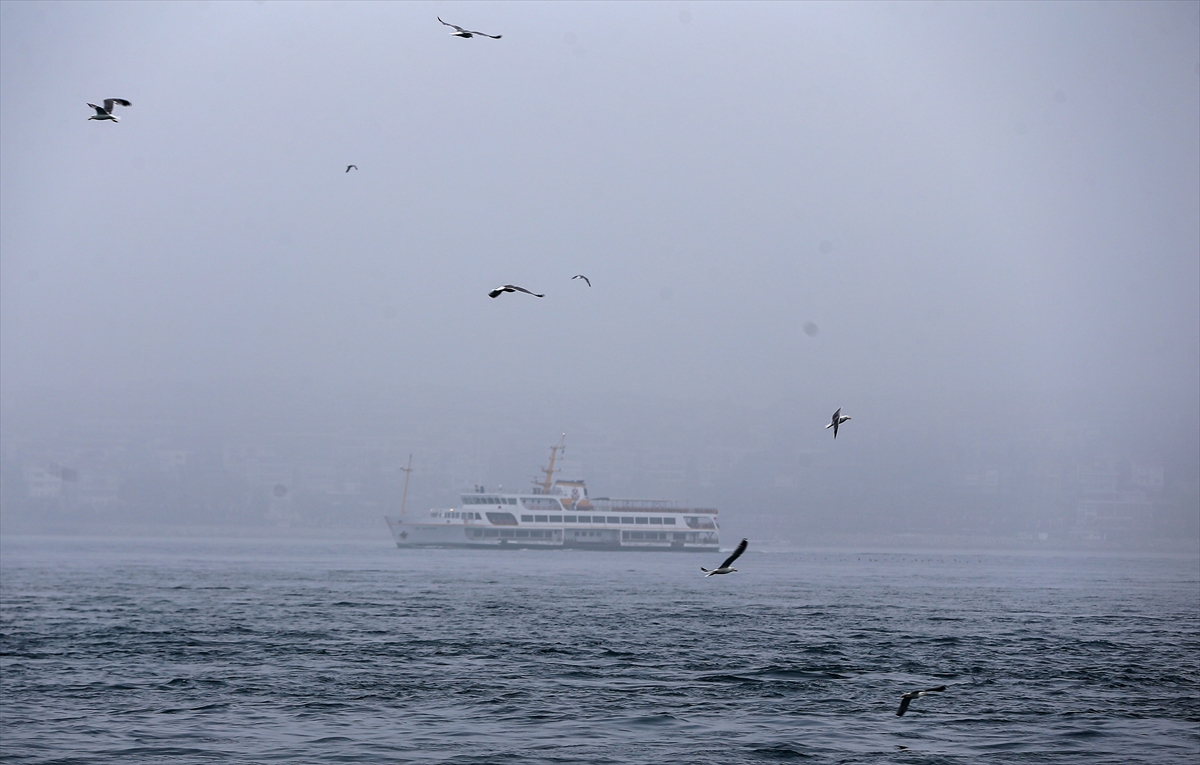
408,534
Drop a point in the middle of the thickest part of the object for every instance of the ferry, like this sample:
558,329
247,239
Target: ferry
559,514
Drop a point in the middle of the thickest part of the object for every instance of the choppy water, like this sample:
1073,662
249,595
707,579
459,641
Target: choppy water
157,651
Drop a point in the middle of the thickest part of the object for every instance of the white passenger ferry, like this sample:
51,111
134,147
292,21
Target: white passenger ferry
557,514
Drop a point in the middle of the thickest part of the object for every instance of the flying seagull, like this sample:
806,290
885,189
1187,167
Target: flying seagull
581,276
351,167
467,34
838,419
105,112
907,698
511,288
724,568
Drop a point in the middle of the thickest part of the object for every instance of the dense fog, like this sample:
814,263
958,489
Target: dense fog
974,227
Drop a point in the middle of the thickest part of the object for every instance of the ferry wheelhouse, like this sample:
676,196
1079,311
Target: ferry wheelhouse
557,514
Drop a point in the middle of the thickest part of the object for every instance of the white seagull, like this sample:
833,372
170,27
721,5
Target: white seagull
511,288
105,112
907,698
467,34
838,419
724,568
581,276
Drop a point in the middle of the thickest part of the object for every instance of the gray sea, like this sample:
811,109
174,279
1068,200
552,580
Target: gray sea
200,651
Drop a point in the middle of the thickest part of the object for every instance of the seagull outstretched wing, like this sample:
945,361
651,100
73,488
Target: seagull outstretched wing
833,422
108,103
511,288
741,548
581,276
907,698
468,32
351,167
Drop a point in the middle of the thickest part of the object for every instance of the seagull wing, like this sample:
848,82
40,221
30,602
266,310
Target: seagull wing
836,415
485,34
351,167
741,548
456,26
496,292
907,698
99,110
108,103
581,276
515,288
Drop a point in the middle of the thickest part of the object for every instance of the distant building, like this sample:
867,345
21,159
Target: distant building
1114,515
41,483
1147,477
169,459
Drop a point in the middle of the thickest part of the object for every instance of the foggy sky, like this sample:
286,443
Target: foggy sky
961,197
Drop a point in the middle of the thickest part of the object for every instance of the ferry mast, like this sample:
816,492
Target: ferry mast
550,470
407,473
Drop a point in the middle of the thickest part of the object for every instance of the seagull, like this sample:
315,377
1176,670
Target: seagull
105,112
511,288
581,276
724,567
467,34
907,698
838,419
351,167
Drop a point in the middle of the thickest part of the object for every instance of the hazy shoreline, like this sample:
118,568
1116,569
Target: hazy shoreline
895,543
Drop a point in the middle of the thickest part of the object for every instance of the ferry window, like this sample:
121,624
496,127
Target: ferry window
585,519
541,503
526,519
556,519
507,533
669,521
539,518
643,520
569,519
626,520
522,533
656,520
502,519
613,519
625,535
491,532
